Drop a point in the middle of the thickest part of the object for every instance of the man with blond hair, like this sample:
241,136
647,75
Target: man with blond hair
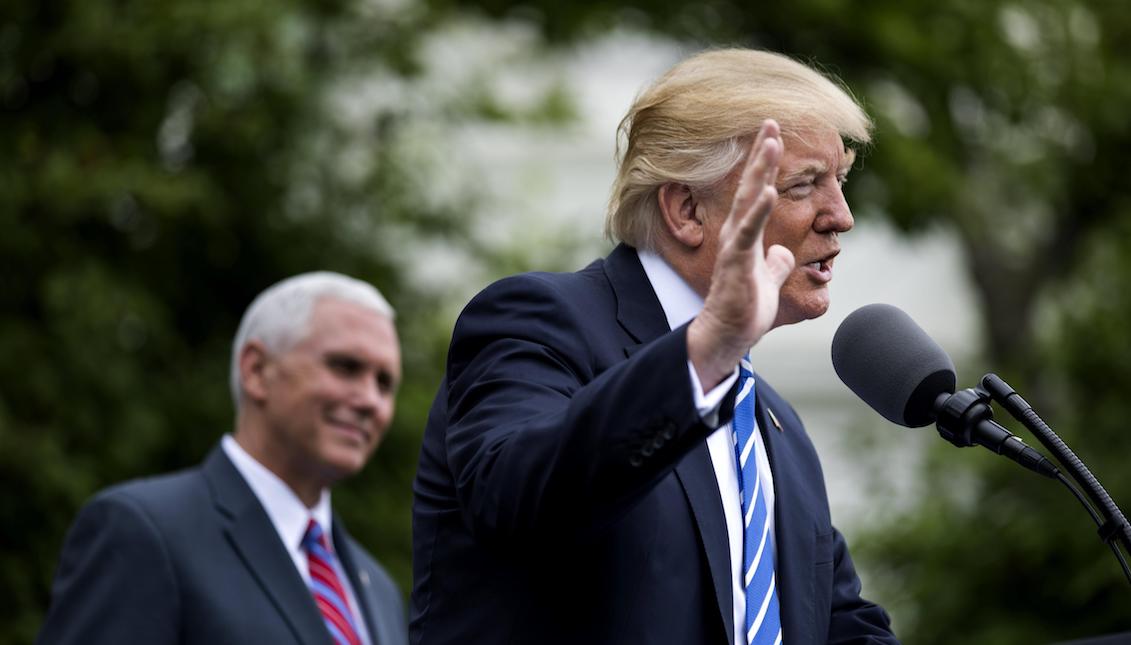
601,464
245,547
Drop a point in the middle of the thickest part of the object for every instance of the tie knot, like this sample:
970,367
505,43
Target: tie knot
315,536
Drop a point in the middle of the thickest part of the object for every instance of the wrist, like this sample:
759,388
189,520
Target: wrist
712,359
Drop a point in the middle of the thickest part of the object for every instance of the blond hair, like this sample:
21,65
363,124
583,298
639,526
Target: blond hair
694,125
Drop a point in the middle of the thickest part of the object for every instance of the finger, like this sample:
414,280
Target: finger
756,163
779,264
768,130
773,133
769,135
753,221
761,165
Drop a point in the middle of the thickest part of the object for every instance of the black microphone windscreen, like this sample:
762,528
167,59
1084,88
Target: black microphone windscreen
892,364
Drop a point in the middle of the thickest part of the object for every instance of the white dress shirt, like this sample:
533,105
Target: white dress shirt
681,304
290,518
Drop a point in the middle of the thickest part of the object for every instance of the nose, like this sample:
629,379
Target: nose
366,397
373,400
834,215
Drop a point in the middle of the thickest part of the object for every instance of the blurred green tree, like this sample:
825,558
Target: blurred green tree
1004,123
161,164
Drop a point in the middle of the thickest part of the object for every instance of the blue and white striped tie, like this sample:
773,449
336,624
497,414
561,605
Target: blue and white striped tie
763,622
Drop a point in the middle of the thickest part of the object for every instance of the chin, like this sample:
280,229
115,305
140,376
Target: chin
794,311
345,462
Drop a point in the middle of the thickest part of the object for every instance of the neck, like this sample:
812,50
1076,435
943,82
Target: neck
687,263
258,444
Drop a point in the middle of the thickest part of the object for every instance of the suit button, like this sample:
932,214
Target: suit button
668,431
657,443
647,450
635,461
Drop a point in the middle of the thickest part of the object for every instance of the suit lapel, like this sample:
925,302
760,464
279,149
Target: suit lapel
638,309
796,553
696,474
641,315
252,535
362,586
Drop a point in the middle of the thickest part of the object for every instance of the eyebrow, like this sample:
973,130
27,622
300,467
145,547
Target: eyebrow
346,355
811,169
817,167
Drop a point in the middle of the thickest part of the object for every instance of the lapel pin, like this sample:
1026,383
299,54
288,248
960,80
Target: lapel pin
774,419
364,575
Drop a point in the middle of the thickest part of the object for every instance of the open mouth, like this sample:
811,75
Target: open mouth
822,269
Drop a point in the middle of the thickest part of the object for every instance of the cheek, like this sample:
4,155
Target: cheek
788,225
311,403
383,417
794,287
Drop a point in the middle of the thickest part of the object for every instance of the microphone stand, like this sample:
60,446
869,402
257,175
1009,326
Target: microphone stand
1113,526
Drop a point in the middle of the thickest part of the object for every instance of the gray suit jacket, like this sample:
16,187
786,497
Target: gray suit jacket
192,557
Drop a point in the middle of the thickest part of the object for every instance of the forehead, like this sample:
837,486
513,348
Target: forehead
814,151
340,325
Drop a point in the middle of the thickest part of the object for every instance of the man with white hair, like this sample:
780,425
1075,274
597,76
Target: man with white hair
245,547
601,465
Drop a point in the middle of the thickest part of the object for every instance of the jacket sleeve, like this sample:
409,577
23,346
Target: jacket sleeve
115,582
540,435
854,619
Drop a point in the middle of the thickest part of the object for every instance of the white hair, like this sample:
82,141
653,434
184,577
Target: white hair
279,316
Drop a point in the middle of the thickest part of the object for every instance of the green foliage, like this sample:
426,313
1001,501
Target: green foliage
161,164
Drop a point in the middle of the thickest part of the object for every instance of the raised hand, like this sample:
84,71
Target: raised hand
742,302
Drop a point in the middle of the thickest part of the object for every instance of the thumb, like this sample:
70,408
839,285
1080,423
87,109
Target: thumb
779,264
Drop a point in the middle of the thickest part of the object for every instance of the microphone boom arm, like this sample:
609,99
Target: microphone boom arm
1115,525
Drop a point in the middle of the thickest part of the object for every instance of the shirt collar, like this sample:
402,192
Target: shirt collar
288,514
678,299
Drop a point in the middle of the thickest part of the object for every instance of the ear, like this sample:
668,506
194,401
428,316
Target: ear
254,363
683,214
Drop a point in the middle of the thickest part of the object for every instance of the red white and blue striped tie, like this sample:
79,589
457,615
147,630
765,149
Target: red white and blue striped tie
327,589
763,622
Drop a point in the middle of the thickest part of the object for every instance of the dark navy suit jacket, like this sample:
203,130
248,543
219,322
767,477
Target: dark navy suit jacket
192,557
565,492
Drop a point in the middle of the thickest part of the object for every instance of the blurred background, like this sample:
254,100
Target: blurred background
163,162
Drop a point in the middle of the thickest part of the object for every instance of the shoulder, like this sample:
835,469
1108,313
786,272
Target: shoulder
117,575
129,525
157,492
152,502
559,310
535,291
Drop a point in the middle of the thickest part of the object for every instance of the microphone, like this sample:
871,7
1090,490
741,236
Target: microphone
896,368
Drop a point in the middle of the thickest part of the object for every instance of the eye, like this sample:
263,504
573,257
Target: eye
386,382
799,190
345,365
